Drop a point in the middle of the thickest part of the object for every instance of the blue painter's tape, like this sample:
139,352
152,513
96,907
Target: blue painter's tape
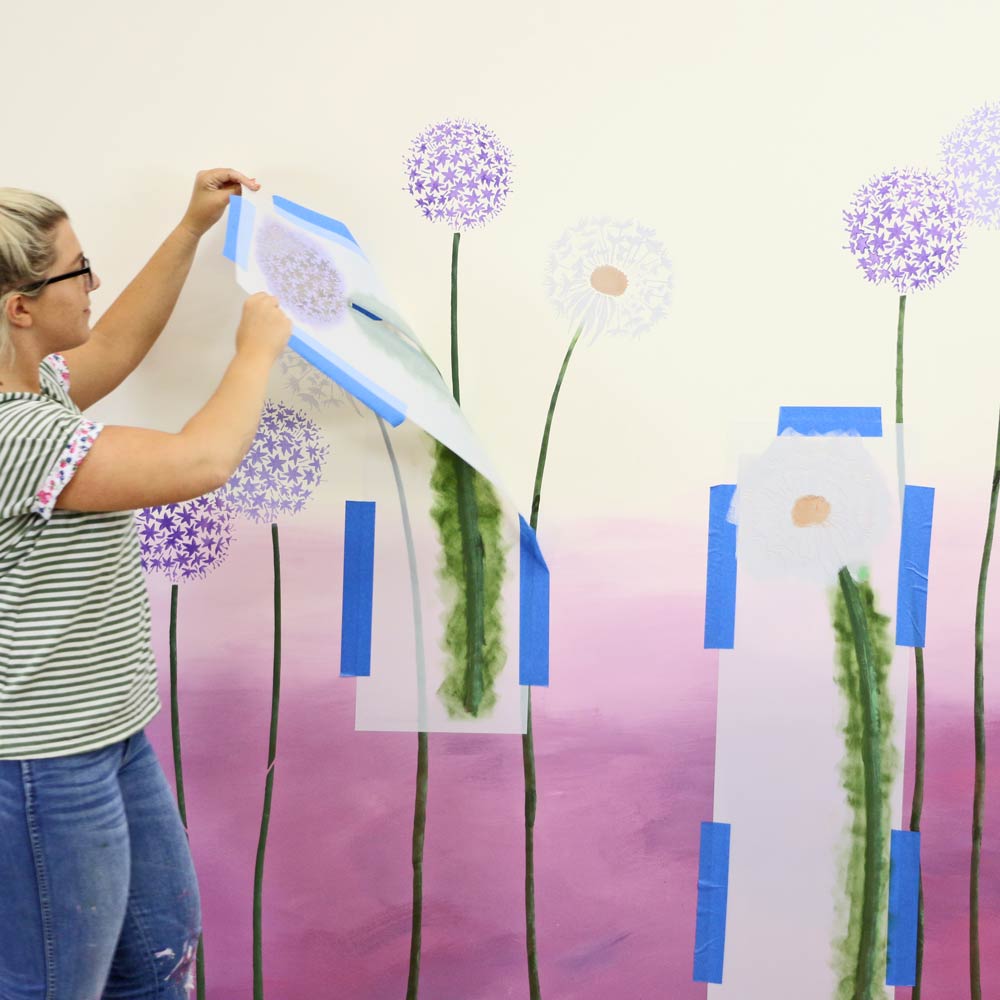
865,421
904,901
914,566
359,587
239,230
387,406
534,627
713,902
314,222
720,589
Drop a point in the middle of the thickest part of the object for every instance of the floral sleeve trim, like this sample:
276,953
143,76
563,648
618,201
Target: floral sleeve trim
58,363
73,454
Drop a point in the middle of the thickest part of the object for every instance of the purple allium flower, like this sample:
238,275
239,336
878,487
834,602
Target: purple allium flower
282,468
459,173
185,541
612,277
906,228
310,386
300,274
972,159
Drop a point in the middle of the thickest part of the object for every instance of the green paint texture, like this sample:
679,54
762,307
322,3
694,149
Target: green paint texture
864,648
469,519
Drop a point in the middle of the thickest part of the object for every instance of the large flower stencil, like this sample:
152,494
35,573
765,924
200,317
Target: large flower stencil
610,277
971,154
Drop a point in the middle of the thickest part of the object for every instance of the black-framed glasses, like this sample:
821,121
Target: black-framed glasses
86,269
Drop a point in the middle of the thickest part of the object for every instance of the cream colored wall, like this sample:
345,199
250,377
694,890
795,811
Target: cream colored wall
738,131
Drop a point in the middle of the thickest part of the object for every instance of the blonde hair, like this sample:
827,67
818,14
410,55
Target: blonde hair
27,248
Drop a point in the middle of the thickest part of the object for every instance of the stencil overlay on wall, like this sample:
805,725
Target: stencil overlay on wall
346,327
811,500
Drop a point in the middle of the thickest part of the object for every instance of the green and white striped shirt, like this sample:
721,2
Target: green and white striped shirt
76,661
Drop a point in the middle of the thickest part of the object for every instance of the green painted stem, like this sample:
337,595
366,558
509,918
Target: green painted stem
871,755
527,741
175,737
472,543
978,802
543,451
899,359
265,817
417,855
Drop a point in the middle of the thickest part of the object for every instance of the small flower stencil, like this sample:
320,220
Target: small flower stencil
185,541
906,228
459,173
282,468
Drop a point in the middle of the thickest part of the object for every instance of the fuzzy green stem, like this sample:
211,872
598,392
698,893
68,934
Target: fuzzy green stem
417,856
175,738
265,817
527,741
871,756
456,238
978,802
472,543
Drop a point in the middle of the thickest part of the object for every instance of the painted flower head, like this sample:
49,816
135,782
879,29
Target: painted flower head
971,155
310,386
458,173
282,468
185,541
808,506
300,274
611,277
906,228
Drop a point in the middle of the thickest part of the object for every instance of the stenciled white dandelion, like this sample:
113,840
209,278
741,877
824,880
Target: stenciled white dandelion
809,506
971,154
610,277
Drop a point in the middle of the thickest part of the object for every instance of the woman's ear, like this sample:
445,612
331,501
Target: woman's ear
18,313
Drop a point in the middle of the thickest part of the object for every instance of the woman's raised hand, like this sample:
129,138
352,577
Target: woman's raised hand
210,197
263,326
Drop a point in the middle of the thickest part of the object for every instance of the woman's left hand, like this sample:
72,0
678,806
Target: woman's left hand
210,197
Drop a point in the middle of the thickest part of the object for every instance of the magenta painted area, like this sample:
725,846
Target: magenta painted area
625,741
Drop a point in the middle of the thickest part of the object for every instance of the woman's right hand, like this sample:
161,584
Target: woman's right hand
263,326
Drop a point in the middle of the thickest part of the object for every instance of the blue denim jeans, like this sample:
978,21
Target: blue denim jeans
98,897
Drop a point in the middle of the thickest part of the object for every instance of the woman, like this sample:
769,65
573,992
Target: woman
99,896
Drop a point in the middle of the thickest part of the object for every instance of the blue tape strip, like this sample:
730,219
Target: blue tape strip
904,900
720,588
359,586
387,406
314,222
914,565
366,312
863,420
713,901
239,230
534,626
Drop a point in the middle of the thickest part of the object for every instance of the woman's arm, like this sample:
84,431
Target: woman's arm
128,467
122,337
